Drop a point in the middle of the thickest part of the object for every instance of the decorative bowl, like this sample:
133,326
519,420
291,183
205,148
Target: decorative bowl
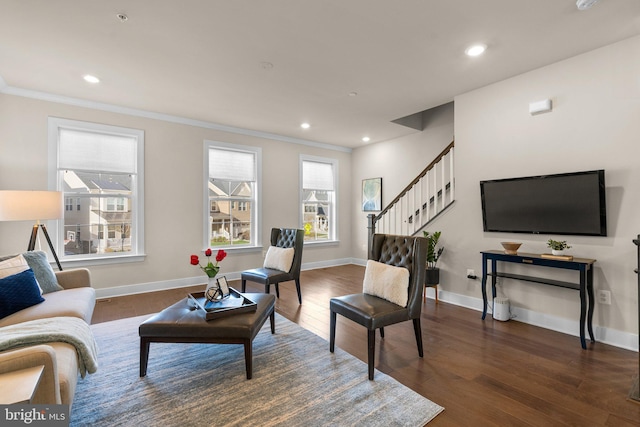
510,248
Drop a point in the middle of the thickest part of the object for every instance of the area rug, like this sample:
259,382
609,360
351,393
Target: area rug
296,382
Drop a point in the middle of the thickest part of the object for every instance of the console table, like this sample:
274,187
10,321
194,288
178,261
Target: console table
585,285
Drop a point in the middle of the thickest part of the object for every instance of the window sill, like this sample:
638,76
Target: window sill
102,260
237,249
323,243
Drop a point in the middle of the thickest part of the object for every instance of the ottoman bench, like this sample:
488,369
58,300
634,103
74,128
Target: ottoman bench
181,323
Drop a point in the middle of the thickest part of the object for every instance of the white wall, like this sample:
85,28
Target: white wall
173,192
594,125
398,162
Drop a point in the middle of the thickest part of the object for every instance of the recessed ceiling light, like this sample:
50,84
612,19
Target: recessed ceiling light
476,49
366,139
305,125
122,17
354,93
91,79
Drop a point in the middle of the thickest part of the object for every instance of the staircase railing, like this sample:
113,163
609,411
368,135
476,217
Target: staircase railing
426,197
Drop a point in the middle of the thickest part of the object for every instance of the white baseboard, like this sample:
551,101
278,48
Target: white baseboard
609,336
140,288
604,335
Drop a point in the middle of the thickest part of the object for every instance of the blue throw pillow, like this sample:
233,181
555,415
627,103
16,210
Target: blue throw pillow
18,292
45,276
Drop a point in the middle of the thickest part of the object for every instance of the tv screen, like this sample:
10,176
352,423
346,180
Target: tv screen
569,203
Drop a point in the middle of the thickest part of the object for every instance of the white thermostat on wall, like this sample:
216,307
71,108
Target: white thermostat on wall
539,107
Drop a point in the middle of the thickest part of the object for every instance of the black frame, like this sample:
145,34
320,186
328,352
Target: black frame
601,196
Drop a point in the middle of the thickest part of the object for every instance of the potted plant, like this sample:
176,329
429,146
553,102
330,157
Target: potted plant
557,246
433,254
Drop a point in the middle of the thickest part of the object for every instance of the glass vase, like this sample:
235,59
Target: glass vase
212,291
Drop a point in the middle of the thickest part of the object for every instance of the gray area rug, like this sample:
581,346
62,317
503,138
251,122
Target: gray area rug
296,382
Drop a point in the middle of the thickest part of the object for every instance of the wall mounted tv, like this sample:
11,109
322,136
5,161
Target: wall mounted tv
564,204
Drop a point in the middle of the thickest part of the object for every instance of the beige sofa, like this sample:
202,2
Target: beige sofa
60,376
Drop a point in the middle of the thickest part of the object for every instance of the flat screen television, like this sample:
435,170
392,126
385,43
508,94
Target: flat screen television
564,204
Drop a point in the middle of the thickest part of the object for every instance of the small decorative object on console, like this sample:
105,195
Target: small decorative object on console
510,248
557,246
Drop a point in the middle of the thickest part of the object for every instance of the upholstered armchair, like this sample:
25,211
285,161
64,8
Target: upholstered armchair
273,271
375,312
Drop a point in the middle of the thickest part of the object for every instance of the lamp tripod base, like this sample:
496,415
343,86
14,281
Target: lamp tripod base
32,242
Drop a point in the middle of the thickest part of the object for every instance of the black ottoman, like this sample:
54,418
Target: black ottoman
180,323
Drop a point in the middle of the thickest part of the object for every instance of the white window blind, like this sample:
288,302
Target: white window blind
82,150
232,165
317,176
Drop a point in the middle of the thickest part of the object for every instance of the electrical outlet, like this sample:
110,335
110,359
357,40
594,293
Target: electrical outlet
470,273
604,297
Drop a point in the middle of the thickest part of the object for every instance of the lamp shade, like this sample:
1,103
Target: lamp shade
30,205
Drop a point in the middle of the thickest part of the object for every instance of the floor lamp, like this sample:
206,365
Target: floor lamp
32,206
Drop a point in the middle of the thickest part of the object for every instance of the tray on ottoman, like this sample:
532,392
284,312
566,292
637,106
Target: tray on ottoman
234,304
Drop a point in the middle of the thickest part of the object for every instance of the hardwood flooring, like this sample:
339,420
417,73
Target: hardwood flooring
485,373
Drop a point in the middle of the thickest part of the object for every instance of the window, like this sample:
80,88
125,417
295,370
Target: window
100,170
232,191
115,204
318,198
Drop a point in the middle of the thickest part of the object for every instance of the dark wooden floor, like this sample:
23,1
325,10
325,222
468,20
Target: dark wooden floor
485,373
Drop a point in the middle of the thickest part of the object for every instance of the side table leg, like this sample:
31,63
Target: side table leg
144,356
484,287
583,308
591,302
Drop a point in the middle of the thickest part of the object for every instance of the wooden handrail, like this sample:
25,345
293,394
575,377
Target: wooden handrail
415,181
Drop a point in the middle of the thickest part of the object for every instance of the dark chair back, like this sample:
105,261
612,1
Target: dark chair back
282,238
290,238
373,312
404,251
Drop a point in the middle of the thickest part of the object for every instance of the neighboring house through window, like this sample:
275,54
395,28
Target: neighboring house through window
100,170
318,198
232,191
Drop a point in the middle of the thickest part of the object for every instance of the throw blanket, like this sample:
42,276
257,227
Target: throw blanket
69,330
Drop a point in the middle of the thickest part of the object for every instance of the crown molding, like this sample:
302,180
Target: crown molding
78,102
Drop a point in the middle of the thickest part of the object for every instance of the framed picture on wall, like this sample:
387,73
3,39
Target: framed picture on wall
372,194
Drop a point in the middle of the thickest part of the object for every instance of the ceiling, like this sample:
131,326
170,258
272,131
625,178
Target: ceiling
208,60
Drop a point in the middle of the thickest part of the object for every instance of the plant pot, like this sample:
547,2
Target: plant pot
432,277
557,252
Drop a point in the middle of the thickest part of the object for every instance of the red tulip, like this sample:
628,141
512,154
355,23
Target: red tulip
195,260
207,252
220,255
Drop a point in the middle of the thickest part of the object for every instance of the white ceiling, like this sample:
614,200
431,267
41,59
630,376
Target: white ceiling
203,59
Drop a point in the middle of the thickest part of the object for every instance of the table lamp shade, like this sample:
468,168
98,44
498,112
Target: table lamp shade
30,205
